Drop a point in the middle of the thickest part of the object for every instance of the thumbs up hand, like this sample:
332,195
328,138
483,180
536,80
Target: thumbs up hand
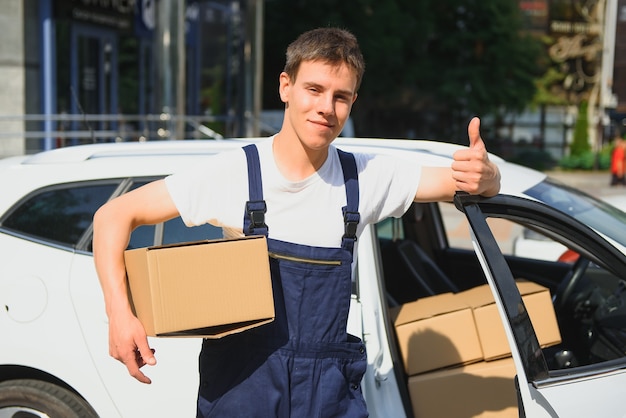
471,169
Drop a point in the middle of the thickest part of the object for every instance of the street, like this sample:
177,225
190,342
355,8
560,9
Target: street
596,183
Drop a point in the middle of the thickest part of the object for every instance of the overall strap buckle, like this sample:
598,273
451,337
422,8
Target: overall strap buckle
256,210
351,221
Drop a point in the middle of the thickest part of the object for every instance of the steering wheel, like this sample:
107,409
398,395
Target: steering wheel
568,284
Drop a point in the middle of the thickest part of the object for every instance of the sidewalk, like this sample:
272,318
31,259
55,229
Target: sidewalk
596,183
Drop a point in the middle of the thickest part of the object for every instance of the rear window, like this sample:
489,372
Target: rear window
60,215
173,231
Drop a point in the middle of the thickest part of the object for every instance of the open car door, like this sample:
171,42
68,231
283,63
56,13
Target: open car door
592,293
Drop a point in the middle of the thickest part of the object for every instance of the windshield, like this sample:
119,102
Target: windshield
595,213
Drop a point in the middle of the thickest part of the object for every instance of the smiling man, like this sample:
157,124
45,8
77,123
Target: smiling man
316,200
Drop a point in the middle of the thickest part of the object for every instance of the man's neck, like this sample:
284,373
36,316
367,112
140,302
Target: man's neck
294,160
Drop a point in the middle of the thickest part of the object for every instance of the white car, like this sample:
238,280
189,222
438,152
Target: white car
54,345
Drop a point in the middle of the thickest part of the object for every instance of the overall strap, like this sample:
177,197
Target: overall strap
254,216
351,216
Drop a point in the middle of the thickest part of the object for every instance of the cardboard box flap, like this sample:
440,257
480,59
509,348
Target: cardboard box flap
200,242
482,296
528,288
426,308
217,330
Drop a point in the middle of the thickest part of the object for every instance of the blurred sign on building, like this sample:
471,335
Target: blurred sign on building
117,15
576,30
535,15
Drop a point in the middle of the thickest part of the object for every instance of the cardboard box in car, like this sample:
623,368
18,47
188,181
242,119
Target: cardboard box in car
436,332
493,339
483,389
206,288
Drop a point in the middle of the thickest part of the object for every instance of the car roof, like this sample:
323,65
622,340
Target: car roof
74,154
152,158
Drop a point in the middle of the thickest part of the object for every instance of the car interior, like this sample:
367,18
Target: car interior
418,260
426,253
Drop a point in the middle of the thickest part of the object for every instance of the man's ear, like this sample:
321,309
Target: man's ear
284,83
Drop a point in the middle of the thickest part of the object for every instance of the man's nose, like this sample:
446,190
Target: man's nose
326,104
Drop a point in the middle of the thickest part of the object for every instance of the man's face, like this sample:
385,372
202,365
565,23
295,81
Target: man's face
318,101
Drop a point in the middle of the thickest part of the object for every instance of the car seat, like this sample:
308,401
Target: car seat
410,273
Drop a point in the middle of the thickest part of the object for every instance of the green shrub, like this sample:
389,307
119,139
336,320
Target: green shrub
586,161
570,162
534,158
604,158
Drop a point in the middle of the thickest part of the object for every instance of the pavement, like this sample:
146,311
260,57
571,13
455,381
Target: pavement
596,183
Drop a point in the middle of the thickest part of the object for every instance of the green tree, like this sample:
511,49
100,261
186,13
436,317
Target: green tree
431,64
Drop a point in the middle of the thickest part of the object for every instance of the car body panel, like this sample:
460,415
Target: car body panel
380,385
37,341
179,365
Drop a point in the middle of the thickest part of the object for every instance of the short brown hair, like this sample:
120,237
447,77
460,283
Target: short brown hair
330,45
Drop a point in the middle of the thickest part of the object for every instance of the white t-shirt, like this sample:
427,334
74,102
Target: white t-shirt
305,212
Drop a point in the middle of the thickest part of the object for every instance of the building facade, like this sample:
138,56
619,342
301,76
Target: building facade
586,45
80,71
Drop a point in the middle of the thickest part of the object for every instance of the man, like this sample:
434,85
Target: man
317,201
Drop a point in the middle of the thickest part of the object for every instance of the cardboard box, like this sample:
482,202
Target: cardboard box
489,325
204,288
435,332
484,389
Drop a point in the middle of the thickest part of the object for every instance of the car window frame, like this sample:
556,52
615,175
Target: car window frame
82,246
477,209
117,182
127,185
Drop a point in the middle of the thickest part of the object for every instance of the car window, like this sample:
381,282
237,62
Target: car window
587,290
595,213
457,230
175,230
61,214
390,229
588,299
142,236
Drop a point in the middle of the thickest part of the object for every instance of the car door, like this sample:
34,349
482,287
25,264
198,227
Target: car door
591,384
39,234
173,391
174,379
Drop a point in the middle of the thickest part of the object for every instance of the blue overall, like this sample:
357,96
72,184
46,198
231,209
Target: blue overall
304,364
